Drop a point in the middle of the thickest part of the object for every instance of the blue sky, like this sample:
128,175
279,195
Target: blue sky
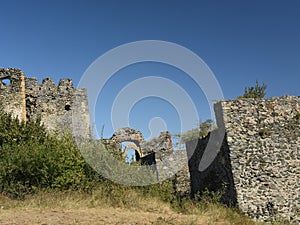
240,41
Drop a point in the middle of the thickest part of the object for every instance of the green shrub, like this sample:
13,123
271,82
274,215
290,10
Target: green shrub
255,92
31,159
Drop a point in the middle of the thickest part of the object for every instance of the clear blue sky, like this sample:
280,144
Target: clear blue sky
240,41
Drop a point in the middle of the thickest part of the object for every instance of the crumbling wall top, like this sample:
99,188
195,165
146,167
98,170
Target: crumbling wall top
127,134
12,75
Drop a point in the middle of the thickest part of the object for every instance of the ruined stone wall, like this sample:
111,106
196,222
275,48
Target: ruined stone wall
11,93
159,153
127,134
182,178
60,107
169,163
217,177
159,145
263,137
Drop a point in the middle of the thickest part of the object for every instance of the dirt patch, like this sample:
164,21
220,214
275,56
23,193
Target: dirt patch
94,216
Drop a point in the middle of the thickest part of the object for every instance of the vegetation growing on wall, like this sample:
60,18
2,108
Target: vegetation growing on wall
258,91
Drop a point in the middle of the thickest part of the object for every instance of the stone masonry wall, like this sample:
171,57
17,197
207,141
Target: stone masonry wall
160,145
263,137
11,92
159,153
217,177
60,107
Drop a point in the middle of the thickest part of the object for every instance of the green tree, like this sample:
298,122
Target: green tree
258,91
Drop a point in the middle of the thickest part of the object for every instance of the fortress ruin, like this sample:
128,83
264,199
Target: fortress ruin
257,166
259,159
56,106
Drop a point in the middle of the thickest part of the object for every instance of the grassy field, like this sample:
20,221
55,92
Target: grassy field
115,207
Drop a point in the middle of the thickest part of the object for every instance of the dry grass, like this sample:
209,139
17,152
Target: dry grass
126,206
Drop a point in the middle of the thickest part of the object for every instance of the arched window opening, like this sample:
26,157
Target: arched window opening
6,82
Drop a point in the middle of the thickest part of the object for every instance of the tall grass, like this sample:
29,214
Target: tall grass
130,199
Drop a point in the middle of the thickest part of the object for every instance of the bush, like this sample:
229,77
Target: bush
255,92
31,159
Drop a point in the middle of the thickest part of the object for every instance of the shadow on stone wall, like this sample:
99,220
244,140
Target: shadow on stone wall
216,177
148,159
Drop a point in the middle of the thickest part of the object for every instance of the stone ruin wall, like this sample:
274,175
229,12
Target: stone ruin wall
217,177
259,160
60,107
159,153
12,99
157,145
263,137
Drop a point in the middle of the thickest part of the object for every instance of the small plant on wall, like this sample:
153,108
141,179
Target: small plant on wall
258,91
